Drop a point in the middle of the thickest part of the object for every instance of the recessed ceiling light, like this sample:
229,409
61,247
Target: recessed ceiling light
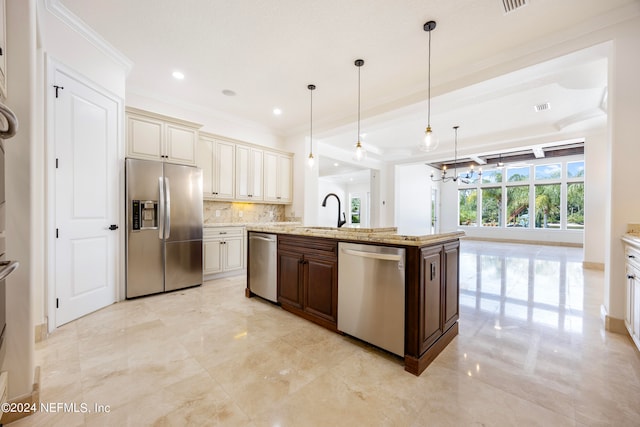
336,164
277,111
228,92
178,75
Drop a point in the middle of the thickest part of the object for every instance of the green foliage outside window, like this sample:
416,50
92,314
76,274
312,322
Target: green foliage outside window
548,206
468,202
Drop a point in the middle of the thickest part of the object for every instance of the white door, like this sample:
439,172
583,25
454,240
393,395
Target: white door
85,197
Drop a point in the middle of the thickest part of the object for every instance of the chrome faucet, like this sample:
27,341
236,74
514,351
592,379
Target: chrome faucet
342,221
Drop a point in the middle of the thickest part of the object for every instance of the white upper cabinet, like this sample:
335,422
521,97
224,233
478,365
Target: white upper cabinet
3,51
154,137
249,170
277,177
217,160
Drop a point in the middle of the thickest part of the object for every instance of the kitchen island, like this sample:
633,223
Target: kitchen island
310,261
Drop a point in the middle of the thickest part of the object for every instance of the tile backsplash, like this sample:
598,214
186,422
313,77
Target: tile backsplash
230,212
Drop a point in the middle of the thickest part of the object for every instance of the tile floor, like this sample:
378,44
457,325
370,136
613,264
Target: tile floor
531,351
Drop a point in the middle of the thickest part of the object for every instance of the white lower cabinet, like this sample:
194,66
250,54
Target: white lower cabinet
223,249
632,306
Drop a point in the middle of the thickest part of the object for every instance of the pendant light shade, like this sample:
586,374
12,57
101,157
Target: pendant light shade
311,159
430,141
360,152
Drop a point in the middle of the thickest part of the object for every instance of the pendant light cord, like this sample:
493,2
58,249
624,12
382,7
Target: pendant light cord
311,125
455,156
358,138
429,83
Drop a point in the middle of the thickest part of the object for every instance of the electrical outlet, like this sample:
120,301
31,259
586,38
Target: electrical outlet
217,213
271,214
240,214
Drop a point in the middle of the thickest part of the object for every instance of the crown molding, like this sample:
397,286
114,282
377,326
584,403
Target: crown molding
58,10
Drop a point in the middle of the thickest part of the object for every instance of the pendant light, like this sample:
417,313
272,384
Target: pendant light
463,178
430,141
360,152
310,159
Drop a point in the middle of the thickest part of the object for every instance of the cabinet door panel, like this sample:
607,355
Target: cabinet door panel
224,174
234,253
242,172
321,287
451,286
181,145
270,176
212,257
205,162
256,175
430,296
635,317
284,178
289,279
144,138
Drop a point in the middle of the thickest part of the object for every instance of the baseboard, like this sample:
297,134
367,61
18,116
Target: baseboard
27,402
41,332
593,265
521,241
615,325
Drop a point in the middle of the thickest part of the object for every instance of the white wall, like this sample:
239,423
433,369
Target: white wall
624,152
596,190
413,199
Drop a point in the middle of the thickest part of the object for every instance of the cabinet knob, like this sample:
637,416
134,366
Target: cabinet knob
631,276
631,256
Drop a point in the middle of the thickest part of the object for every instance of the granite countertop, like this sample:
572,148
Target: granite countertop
632,238
386,235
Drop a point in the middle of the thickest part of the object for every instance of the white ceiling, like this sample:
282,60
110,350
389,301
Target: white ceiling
269,51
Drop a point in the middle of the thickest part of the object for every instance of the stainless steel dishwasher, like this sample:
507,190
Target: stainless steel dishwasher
371,294
263,265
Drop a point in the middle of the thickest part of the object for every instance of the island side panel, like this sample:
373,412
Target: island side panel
432,303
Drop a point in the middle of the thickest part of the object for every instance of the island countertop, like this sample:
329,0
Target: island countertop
386,235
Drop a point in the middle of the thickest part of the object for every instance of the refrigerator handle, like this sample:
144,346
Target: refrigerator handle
161,209
167,226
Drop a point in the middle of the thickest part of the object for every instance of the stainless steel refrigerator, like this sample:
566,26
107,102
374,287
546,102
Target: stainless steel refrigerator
164,227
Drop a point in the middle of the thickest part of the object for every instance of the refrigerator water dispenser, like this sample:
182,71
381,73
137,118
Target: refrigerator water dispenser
145,214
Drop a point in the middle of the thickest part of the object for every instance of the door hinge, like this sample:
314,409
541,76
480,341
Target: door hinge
56,233
56,163
57,303
58,88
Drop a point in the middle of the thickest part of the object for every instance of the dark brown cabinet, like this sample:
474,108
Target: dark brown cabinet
308,278
430,327
432,322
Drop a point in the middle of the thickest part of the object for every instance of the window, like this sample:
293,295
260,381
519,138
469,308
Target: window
491,206
518,206
468,205
575,206
575,170
355,210
548,206
518,174
492,176
575,195
539,196
553,171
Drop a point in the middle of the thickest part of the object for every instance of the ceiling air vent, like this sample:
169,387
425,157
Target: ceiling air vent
511,5
542,107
